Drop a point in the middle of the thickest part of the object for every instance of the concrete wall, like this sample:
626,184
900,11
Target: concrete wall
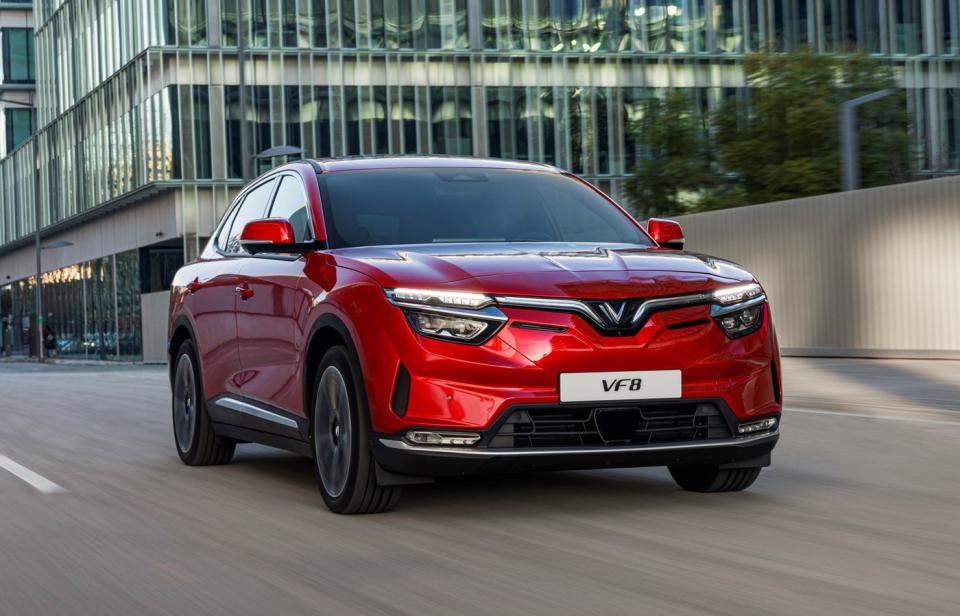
154,311
137,225
872,273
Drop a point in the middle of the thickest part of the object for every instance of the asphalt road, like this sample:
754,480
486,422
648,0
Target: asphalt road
859,514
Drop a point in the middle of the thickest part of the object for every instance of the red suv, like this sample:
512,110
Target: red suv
401,319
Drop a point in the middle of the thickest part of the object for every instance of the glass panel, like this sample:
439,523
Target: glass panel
253,208
201,131
128,306
231,95
17,51
100,336
257,24
450,205
19,126
291,203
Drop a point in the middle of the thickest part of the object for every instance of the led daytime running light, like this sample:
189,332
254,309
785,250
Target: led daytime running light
735,295
430,297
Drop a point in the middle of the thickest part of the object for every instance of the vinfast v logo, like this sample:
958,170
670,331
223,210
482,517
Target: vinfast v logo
618,384
614,312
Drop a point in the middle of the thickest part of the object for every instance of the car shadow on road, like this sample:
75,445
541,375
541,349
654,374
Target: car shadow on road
647,489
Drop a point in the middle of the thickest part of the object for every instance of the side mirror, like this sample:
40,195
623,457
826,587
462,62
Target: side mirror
269,235
667,233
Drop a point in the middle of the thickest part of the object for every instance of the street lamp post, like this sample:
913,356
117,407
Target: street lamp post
281,150
848,137
38,248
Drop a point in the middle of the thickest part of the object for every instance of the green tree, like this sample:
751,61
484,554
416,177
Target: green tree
675,168
781,141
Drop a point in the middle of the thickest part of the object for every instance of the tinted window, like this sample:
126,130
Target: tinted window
253,207
422,206
17,53
19,124
291,203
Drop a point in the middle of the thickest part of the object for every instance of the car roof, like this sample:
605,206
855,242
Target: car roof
328,165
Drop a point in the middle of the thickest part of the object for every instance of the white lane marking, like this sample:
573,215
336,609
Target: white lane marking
39,482
871,416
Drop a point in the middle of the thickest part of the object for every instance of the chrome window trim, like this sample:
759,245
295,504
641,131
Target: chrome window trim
255,411
553,451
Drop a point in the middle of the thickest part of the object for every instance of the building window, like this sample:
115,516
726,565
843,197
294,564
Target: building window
17,53
19,126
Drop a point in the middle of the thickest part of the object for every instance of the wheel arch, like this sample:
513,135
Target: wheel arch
181,331
327,332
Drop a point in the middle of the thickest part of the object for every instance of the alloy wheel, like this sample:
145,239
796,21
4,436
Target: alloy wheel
184,403
333,431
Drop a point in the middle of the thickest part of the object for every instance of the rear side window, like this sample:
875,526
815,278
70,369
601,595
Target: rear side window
253,207
291,203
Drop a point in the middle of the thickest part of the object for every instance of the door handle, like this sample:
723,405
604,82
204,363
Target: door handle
245,292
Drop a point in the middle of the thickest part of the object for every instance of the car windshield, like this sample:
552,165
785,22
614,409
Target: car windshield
449,205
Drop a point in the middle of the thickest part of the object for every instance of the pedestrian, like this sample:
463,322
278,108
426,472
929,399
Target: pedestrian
49,341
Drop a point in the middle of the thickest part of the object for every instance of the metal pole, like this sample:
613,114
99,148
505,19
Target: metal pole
241,62
849,147
36,213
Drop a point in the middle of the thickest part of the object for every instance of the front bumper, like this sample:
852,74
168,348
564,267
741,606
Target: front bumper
399,456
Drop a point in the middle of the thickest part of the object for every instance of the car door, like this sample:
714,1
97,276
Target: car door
215,297
267,324
213,300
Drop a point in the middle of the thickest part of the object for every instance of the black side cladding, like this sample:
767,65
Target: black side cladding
401,391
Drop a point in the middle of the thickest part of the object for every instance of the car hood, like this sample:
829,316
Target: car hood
577,270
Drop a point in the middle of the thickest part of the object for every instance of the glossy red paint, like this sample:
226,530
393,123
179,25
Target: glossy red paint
255,343
264,233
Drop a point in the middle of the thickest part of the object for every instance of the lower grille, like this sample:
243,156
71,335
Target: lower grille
581,426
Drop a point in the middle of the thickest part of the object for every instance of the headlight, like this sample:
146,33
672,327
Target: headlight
455,316
447,327
738,310
741,323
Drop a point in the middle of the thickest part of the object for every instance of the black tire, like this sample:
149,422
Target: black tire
711,478
196,442
340,434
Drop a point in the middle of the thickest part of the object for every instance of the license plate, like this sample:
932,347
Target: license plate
604,386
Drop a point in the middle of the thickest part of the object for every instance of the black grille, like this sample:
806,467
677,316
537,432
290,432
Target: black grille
579,426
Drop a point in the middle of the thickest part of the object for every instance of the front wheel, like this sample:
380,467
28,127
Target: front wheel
342,460
712,478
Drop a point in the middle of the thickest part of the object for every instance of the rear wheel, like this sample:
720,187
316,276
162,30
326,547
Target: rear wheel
197,443
344,465
712,478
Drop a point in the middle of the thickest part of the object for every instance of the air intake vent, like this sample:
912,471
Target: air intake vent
401,391
580,426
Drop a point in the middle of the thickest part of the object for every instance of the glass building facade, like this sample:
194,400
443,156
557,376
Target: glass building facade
93,310
17,74
143,98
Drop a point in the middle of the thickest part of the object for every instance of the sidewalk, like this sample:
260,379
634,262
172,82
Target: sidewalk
872,385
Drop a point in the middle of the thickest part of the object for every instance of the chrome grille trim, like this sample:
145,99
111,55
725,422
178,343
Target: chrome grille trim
583,308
